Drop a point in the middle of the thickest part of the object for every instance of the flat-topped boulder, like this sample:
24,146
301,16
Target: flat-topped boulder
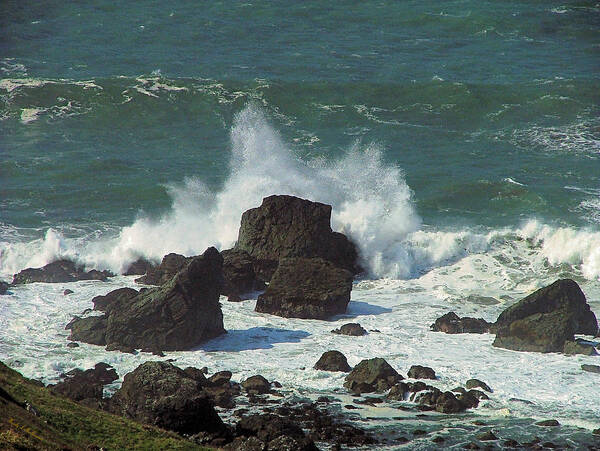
179,315
287,226
170,265
306,288
161,394
60,271
546,320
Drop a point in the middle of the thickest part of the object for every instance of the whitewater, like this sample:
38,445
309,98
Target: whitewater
414,273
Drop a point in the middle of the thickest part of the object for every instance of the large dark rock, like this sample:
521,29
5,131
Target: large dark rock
333,361
239,274
565,296
90,330
79,385
179,315
451,323
158,275
540,332
104,303
372,375
61,271
306,288
287,226
163,395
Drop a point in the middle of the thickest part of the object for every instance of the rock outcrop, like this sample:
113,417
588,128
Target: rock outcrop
115,297
333,361
287,226
306,288
176,316
451,323
61,271
139,267
170,265
239,274
372,375
160,394
546,320
565,296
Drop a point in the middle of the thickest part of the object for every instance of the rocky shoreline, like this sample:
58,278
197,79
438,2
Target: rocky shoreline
286,249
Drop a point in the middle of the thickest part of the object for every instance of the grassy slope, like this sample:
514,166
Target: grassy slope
62,423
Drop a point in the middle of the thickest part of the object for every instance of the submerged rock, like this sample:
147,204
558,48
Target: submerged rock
333,361
352,329
306,288
372,375
61,271
451,323
287,226
160,394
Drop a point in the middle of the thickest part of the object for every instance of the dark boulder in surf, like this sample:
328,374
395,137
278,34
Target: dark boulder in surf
306,288
287,226
60,271
546,320
333,361
351,329
451,323
372,375
3,288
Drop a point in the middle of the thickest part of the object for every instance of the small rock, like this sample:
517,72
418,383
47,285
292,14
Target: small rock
372,375
67,292
352,329
220,378
574,347
451,323
421,372
476,383
72,344
548,423
510,443
419,432
596,431
3,287
333,361
438,439
471,446
256,385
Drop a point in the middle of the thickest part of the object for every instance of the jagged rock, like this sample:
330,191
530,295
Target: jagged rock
170,265
591,368
176,316
372,375
256,385
565,296
352,329
163,395
79,385
287,226
575,347
239,275
333,361
398,392
421,372
89,330
60,271
451,323
139,267
540,332
306,288
104,303
476,383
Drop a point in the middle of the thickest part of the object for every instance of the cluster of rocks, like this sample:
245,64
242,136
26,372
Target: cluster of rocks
545,321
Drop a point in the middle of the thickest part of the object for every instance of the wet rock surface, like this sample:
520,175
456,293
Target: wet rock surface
60,271
372,375
306,288
351,329
451,323
170,265
333,361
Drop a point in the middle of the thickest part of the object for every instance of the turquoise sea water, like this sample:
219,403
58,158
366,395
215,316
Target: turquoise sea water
444,134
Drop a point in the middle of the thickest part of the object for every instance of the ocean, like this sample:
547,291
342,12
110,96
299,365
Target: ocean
457,142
